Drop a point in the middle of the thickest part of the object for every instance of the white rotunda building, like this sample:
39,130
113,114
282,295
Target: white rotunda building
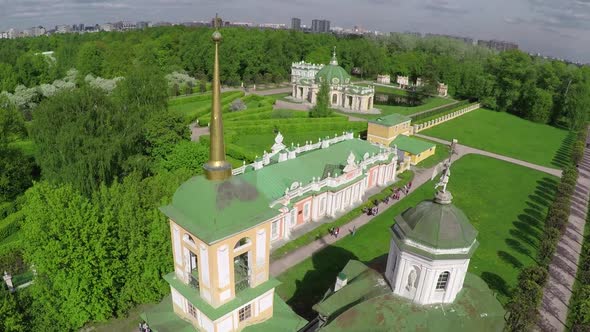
306,79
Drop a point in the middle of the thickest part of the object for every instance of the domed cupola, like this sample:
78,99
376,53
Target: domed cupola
436,224
333,73
430,249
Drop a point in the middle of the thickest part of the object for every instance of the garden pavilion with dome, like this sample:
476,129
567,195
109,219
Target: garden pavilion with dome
307,78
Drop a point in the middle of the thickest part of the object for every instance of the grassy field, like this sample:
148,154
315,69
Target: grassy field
508,135
506,206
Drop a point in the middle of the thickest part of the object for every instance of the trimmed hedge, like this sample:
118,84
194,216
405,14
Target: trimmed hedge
438,111
284,128
527,295
11,224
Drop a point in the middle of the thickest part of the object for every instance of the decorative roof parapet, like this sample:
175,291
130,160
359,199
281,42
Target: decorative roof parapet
334,180
292,152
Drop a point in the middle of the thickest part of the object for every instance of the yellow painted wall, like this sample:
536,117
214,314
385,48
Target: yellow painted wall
377,133
416,159
259,273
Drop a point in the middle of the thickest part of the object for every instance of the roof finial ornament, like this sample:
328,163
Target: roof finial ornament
334,60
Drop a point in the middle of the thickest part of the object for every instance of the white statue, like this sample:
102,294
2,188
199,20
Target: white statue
278,146
350,164
444,179
412,279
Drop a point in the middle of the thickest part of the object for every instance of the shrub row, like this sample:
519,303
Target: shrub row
438,111
271,122
579,314
189,99
527,295
286,127
249,112
11,224
204,113
237,152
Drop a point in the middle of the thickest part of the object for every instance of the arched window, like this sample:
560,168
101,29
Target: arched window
443,279
243,242
189,239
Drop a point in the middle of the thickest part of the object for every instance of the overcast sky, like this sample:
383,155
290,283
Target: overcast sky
552,27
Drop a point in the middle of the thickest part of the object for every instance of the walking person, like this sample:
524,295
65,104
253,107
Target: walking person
353,230
337,231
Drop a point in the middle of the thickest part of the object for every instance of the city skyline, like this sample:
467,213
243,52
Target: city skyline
537,26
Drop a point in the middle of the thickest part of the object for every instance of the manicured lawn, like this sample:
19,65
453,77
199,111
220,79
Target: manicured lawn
508,135
506,206
191,109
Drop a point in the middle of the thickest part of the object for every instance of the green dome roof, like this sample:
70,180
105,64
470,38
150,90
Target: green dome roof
332,74
436,225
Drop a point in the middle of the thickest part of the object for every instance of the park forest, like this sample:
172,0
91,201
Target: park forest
89,148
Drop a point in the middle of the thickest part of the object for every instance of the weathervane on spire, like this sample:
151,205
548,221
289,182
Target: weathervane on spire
334,60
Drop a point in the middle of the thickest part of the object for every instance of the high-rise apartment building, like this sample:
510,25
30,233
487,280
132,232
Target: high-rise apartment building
320,26
296,23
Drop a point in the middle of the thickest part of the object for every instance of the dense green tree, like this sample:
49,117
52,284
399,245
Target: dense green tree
8,77
100,255
34,69
186,155
536,104
83,138
577,104
11,318
322,107
16,175
90,59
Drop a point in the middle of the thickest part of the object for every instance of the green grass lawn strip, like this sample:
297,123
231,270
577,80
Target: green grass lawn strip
508,135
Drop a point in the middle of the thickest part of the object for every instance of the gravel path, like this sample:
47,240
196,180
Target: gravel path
564,266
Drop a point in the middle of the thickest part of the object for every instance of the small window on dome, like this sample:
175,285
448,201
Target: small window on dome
443,280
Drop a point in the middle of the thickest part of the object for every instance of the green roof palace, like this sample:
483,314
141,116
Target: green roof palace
223,224
307,77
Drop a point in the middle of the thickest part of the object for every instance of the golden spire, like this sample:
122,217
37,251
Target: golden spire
217,168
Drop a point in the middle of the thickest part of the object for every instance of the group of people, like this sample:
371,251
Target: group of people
143,327
334,231
397,192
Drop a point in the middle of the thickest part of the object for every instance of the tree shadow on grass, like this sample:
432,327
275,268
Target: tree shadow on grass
327,263
496,283
524,233
508,258
563,154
